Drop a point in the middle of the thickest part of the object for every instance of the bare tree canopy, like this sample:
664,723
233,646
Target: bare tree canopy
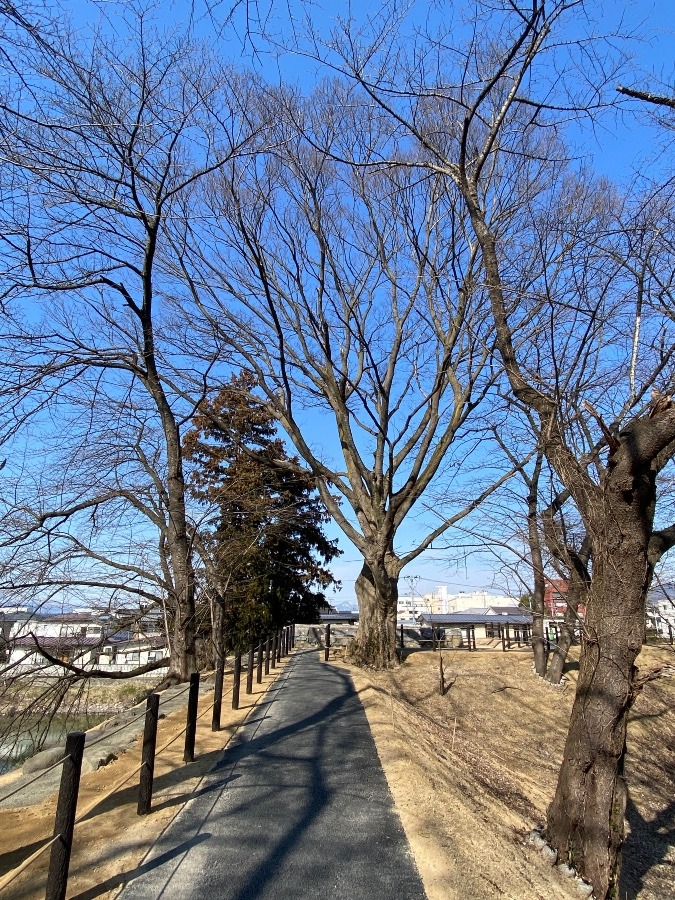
580,290
103,138
351,292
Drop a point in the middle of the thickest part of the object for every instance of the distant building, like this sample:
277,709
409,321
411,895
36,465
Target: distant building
661,610
439,602
555,599
408,608
9,616
476,600
86,639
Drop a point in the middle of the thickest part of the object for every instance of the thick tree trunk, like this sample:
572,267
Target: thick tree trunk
375,641
183,652
586,818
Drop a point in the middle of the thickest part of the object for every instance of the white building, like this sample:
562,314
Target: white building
439,602
82,639
661,611
465,600
408,608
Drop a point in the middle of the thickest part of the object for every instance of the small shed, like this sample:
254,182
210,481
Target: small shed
508,626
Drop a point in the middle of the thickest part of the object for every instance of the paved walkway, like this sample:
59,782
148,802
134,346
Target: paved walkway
298,807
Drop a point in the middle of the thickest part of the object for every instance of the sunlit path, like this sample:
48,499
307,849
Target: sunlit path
298,807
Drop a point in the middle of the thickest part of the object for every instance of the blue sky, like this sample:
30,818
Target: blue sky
617,144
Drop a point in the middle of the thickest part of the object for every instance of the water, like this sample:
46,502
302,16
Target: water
15,749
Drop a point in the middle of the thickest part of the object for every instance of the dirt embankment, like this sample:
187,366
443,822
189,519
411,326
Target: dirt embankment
473,771
111,840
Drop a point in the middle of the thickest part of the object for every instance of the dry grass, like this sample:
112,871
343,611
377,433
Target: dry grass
473,771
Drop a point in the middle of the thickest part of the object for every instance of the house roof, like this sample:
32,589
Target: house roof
63,642
506,610
71,618
447,620
337,617
123,642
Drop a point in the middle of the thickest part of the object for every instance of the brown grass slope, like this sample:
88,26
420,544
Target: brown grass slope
473,771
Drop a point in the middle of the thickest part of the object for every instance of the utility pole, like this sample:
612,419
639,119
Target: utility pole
412,584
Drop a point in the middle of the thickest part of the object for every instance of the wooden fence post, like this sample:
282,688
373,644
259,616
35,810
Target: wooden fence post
64,823
249,667
148,755
191,729
268,647
279,646
293,635
259,667
236,682
218,693
273,658
441,675
326,651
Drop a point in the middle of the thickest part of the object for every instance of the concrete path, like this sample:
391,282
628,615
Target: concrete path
297,808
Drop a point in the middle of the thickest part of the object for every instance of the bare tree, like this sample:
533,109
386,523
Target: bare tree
484,116
103,137
351,293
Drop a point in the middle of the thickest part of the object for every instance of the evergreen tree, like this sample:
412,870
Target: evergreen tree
262,539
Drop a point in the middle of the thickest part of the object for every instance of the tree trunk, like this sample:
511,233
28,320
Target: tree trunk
586,818
179,545
559,656
539,583
183,646
218,630
375,641
183,653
